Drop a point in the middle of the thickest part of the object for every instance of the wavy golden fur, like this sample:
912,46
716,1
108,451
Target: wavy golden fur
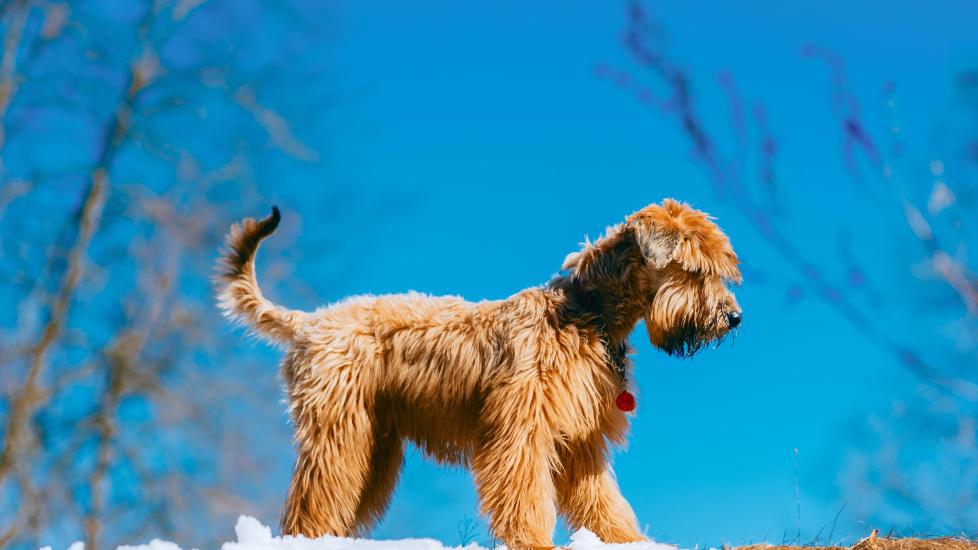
521,390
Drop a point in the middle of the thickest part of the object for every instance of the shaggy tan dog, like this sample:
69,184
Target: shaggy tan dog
523,390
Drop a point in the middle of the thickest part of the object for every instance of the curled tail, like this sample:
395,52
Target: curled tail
238,294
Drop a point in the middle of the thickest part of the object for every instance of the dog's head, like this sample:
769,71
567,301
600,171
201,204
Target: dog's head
675,267
692,265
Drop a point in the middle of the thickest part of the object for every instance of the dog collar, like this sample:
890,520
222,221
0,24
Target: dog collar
618,364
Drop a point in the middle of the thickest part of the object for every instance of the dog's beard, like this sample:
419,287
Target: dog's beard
685,339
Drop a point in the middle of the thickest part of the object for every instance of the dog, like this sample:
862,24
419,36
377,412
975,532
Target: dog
529,392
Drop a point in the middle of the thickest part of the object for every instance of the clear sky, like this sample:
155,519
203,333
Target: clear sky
483,146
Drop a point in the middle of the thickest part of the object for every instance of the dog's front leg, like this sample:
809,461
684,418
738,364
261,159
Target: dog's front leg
588,495
512,465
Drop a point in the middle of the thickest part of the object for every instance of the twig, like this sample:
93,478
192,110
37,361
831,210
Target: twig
837,514
797,496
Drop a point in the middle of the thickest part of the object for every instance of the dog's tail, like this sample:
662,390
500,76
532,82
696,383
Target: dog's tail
238,294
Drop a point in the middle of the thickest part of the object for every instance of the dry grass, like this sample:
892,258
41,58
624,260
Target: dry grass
874,542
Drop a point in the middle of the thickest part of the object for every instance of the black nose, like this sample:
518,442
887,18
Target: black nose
733,319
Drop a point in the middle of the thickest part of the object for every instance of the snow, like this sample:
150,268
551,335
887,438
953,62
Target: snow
155,544
252,535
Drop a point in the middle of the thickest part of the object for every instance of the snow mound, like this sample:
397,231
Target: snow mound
252,535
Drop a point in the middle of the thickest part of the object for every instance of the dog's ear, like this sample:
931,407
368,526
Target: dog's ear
674,231
659,244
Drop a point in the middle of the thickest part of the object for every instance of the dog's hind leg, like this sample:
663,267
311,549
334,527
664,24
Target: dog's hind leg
387,458
335,443
588,495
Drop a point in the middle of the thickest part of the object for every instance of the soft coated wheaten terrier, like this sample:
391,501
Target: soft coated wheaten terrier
529,392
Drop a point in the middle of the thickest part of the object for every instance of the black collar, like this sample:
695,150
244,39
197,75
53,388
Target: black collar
589,302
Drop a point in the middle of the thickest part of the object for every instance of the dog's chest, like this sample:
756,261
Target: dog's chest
583,393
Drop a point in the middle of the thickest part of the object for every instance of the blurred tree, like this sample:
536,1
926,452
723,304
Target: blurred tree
131,136
932,483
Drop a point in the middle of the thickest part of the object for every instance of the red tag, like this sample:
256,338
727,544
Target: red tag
625,401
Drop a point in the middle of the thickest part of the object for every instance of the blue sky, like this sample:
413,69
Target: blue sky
481,147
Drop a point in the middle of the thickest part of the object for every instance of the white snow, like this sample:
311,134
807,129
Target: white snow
252,535
155,544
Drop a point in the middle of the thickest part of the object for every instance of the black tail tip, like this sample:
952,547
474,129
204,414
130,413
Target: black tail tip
268,225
